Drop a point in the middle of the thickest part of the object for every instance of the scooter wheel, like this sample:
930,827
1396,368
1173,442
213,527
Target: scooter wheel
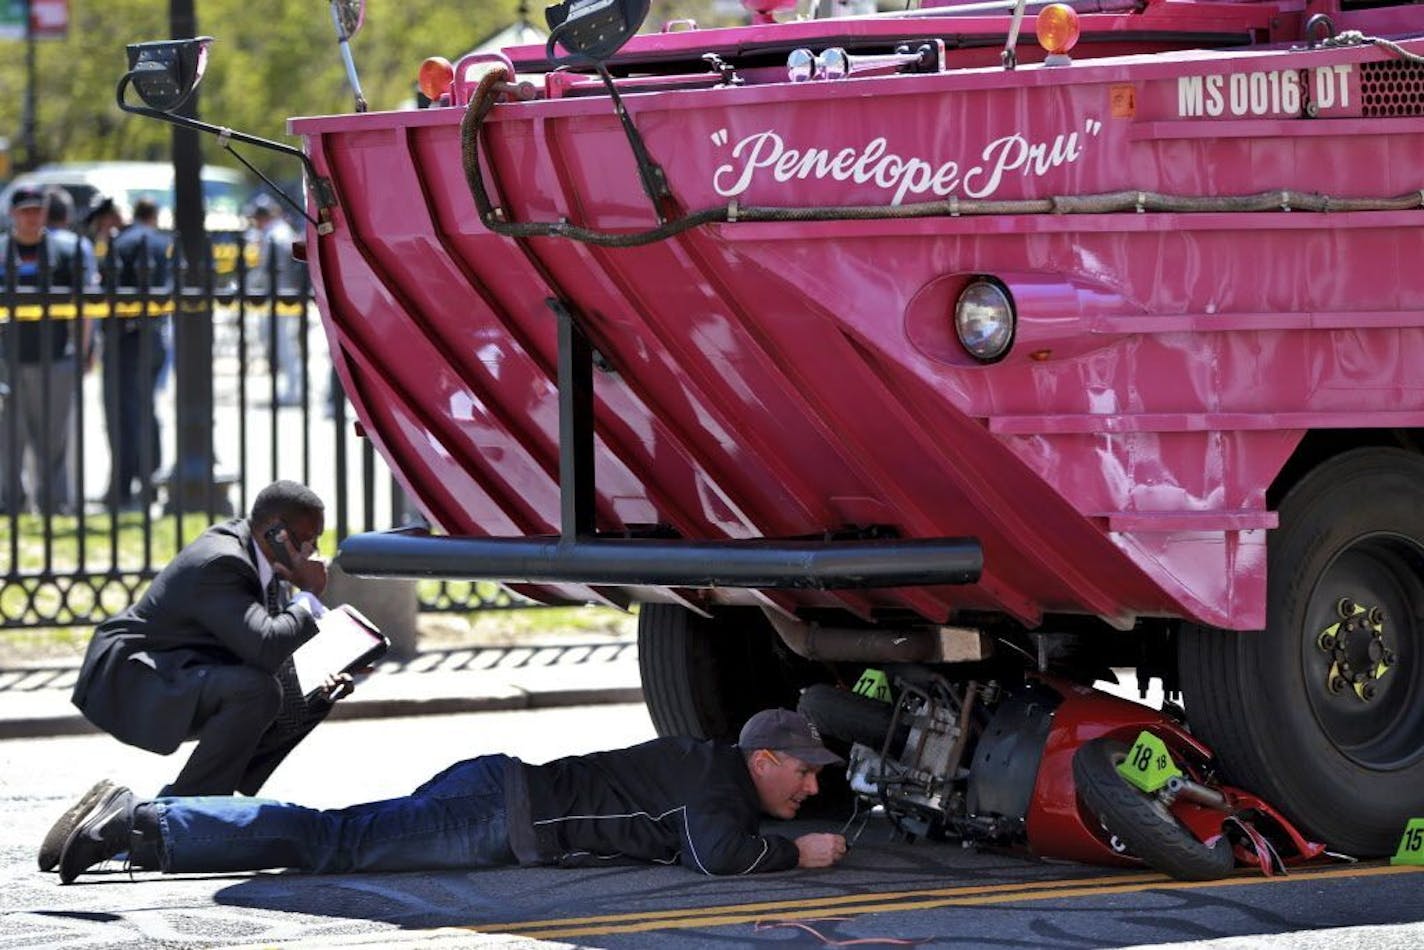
1142,823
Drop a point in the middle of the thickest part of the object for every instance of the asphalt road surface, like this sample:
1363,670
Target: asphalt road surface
887,892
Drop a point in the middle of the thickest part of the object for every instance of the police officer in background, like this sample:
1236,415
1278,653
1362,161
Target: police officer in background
40,407
103,222
273,271
134,354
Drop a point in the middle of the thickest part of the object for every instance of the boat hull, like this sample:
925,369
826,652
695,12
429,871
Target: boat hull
792,378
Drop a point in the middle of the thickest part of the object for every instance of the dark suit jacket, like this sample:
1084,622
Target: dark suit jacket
206,607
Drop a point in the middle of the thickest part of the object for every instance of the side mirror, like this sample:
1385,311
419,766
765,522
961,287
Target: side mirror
164,73
592,30
348,15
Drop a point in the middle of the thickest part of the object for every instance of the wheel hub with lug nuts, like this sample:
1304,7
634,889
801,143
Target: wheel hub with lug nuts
1358,653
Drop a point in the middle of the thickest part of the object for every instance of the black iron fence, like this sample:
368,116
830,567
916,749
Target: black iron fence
108,466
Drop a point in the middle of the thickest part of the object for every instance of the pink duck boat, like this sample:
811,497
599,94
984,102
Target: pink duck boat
906,337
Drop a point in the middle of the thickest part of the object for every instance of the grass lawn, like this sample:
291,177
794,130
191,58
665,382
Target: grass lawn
124,539
67,570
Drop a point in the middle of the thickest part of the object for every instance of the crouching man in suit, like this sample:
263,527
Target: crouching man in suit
206,652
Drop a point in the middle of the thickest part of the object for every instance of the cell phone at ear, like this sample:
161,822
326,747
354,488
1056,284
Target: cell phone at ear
277,542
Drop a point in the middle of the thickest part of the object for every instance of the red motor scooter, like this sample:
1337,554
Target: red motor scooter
1061,769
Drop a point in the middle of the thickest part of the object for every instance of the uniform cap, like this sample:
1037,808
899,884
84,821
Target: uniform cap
782,730
27,196
100,204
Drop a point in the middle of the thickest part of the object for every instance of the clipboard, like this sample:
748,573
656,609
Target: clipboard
346,641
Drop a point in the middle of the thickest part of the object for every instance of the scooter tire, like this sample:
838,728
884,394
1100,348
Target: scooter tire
1140,822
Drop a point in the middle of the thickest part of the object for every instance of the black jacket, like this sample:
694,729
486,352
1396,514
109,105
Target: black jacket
205,607
141,255
663,801
59,263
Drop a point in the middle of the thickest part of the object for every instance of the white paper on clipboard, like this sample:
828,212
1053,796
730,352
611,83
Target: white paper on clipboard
346,640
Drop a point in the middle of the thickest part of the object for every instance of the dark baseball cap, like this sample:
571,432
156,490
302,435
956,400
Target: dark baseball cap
782,730
100,203
27,196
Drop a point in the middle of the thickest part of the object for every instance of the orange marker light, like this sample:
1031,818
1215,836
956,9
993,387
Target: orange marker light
436,75
1057,28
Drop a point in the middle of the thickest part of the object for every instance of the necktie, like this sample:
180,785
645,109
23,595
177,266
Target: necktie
292,716
296,716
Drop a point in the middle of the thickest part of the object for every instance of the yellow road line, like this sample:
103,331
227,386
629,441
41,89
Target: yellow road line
823,902
704,918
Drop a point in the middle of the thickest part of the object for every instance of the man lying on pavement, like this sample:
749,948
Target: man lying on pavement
664,801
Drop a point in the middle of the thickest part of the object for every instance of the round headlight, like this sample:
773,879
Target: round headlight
984,320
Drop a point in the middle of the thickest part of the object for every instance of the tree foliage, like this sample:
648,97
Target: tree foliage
271,59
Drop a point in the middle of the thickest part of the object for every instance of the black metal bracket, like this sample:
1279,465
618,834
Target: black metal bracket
721,67
322,189
649,172
575,381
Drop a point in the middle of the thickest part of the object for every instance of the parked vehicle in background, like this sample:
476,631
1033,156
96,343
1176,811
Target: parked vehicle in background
224,190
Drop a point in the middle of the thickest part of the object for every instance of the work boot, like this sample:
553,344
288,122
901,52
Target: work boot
55,838
102,833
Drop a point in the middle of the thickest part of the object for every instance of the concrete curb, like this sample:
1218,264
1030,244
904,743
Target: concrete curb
43,727
38,727
523,700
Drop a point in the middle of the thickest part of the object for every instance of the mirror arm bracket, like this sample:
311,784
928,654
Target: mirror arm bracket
322,189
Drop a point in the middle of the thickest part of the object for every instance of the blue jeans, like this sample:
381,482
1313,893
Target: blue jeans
455,820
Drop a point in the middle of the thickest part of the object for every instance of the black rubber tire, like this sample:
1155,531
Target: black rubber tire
704,677
1354,525
845,715
1139,821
